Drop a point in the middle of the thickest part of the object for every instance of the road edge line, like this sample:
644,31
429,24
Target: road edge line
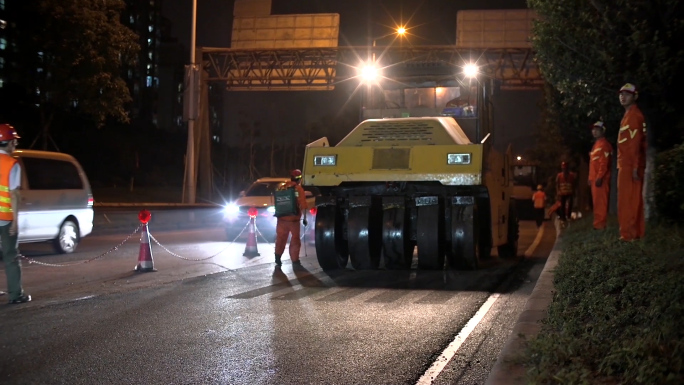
440,363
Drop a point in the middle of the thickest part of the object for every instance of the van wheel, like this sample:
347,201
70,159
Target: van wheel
67,239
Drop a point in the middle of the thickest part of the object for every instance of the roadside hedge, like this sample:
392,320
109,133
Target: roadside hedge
669,185
618,311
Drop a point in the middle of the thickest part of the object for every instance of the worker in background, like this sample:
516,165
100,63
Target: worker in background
290,224
631,164
539,199
565,188
599,174
10,181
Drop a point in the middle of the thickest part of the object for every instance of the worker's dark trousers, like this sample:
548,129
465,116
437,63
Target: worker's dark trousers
566,207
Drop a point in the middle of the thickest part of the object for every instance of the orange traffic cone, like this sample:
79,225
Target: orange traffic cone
145,262
251,245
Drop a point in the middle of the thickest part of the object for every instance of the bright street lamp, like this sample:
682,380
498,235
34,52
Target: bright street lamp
470,70
369,73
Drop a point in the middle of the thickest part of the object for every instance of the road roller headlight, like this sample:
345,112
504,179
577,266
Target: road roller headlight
325,160
458,158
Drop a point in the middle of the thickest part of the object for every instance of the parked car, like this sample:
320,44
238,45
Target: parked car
56,201
259,198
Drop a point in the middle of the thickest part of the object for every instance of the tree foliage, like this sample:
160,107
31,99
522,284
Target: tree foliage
78,49
586,49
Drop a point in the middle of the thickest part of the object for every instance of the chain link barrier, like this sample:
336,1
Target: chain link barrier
137,230
115,248
198,259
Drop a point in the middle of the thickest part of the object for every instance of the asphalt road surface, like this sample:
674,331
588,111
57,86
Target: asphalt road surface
231,319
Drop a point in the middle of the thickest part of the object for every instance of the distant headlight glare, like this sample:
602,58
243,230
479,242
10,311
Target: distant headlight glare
271,209
458,158
325,160
231,209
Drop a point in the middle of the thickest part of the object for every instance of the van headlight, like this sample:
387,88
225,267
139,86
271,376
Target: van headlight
325,160
458,158
231,209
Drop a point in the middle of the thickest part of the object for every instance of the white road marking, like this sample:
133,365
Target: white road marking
534,244
450,351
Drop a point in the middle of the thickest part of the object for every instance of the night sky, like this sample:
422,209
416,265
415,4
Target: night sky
429,22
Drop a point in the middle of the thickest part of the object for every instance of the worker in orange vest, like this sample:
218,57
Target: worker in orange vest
290,224
599,174
565,189
631,164
539,199
10,181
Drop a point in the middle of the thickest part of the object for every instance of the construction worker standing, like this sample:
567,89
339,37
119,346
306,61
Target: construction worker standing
565,188
599,174
10,180
539,199
631,164
290,224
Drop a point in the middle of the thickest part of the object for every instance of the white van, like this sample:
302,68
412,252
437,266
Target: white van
56,200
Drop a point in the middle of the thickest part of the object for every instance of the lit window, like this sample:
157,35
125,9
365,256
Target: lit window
2,62
3,43
150,28
149,55
2,82
132,19
2,4
149,81
149,41
39,70
37,91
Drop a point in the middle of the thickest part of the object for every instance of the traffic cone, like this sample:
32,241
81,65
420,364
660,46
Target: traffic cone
145,262
251,245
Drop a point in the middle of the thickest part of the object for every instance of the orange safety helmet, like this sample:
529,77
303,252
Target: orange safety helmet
564,165
296,174
7,133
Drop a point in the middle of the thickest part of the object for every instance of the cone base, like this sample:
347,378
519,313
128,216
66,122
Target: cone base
251,254
141,269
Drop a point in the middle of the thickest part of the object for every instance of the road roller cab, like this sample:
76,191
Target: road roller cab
393,184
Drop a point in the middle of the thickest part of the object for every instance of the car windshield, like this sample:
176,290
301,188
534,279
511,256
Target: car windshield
260,189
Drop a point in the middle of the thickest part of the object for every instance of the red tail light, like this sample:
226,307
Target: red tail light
252,212
91,201
313,210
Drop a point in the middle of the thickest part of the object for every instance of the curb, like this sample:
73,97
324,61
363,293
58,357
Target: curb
508,370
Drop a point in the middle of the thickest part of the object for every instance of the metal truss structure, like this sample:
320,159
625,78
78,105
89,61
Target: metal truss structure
291,69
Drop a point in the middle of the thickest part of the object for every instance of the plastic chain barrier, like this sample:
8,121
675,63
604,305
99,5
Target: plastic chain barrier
198,259
115,248
137,230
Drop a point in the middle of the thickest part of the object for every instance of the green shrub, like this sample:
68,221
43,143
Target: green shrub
618,311
669,184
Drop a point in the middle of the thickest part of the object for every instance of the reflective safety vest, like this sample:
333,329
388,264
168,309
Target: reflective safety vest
6,164
565,186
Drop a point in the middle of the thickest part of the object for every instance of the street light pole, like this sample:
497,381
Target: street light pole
190,177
